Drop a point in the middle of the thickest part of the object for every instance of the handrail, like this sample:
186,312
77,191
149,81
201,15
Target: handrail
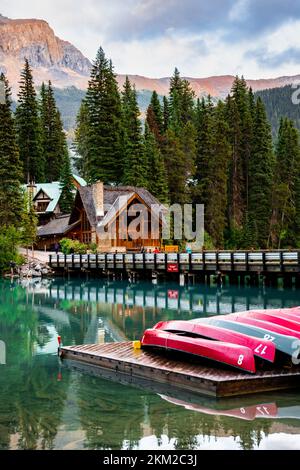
220,259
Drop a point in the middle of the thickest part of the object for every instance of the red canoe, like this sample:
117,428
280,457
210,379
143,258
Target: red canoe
284,343
261,347
286,314
277,319
268,325
233,355
295,311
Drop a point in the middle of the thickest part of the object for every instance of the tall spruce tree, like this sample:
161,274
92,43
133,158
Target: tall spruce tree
54,142
29,222
285,226
157,110
240,119
157,175
135,165
29,129
180,138
154,119
67,188
11,200
80,144
166,114
213,156
218,152
204,124
175,166
261,171
104,156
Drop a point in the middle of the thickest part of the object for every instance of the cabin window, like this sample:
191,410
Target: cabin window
86,237
85,223
86,234
41,206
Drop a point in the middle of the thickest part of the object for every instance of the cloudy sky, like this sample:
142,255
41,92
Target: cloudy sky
257,38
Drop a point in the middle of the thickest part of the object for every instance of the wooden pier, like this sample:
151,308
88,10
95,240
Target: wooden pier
200,378
188,267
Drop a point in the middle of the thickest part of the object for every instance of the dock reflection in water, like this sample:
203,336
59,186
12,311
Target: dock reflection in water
44,405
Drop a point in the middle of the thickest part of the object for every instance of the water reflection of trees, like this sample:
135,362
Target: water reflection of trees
31,398
117,417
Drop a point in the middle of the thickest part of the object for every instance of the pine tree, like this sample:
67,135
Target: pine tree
154,119
166,114
181,102
135,165
104,157
10,165
286,191
43,109
261,171
175,166
67,188
54,143
240,119
81,142
29,222
217,178
157,110
175,94
204,133
29,129
213,156
157,176
180,138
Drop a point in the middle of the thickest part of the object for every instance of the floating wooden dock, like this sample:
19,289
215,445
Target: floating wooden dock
200,378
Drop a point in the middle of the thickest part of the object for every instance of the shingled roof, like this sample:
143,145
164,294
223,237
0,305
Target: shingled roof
58,226
112,195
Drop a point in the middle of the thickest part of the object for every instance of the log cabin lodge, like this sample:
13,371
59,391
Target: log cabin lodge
97,206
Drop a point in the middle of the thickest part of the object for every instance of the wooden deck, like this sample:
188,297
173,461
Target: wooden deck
205,379
246,262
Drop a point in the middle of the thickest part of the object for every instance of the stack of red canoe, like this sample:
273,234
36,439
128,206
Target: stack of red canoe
236,339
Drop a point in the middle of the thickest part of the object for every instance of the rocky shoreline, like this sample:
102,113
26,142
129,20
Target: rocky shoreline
31,269
34,269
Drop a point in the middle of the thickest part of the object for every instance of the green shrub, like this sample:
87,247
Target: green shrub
72,246
93,247
79,248
9,241
66,245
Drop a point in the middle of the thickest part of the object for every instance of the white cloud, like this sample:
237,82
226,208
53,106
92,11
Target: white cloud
197,45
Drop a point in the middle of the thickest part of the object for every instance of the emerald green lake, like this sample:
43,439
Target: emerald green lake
48,405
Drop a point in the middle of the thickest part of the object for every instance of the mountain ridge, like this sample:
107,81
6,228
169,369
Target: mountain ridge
58,60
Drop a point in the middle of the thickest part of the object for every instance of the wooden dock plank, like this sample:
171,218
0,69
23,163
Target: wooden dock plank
201,378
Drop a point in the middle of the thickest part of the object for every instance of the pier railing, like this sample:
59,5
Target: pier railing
227,261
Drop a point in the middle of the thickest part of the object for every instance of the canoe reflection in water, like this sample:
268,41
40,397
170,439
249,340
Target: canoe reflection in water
249,413
268,405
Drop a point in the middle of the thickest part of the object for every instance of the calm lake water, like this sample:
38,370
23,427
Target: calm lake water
44,405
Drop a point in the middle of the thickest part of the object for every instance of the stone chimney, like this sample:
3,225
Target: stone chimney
31,190
98,197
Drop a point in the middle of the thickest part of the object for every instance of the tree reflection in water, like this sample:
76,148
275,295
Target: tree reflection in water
36,408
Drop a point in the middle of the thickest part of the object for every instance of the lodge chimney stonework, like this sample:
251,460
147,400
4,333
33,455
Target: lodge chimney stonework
98,196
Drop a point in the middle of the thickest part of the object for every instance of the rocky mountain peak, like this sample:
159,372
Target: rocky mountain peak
35,40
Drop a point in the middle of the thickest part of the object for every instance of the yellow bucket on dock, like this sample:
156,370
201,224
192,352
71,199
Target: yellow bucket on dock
136,345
